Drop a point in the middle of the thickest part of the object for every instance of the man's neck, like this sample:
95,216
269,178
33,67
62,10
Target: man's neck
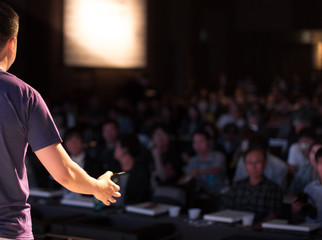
3,66
4,60
255,181
204,156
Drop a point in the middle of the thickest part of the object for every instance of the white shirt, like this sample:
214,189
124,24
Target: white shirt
296,156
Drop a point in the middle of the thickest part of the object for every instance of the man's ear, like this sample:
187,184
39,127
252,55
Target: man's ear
12,44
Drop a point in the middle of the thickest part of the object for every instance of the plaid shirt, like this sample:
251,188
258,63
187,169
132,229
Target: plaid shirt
263,199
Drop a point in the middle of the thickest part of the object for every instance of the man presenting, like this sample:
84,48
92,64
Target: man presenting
25,119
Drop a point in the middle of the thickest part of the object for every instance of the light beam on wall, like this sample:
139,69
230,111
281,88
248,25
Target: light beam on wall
105,33
318,56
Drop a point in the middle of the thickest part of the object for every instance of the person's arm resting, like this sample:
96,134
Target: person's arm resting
66,172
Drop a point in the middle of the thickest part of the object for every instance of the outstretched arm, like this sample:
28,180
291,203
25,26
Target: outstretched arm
66,172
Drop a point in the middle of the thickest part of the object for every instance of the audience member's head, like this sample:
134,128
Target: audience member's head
201,142
193,113
128,144
254,118
160,137
110,131
210,128
230,131
253,140
73,142
306,139
307,133
301,121
127,151
313,150
255,161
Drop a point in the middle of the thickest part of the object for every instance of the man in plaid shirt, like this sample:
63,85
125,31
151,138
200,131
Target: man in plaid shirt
255,193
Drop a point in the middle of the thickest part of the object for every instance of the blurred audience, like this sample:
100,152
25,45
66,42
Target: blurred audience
198,138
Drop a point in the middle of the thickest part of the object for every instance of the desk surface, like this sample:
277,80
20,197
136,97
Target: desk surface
198,229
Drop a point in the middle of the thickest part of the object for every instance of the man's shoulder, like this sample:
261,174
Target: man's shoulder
294,146
270,184
314,190
275,162
11,83
313,184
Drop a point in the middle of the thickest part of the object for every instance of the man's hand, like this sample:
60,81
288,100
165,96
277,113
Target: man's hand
69,174
194,173
296,206
108,189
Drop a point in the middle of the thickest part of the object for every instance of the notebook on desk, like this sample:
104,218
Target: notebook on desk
148,208
227,216
279,224
79,201
45,193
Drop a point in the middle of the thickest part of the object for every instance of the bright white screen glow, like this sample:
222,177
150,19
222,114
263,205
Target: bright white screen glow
105,33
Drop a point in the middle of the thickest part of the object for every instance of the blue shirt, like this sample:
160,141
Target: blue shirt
215,159
314,190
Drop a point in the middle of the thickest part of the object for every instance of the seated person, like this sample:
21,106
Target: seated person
255,193
166,161
135,183
104,151
75,148
307,173
298,152
204,164
73,143
228,142
254,121
275,168
314,193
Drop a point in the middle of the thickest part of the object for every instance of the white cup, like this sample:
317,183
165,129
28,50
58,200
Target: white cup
194,213
248,220
174,211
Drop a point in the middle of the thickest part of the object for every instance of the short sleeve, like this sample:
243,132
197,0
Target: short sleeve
41,129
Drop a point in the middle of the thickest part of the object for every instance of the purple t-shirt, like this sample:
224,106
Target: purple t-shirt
24,118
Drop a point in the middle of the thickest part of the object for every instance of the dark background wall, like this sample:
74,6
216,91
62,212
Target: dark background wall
190,42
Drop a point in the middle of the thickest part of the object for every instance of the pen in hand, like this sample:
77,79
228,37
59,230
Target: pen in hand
115,178
118,173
